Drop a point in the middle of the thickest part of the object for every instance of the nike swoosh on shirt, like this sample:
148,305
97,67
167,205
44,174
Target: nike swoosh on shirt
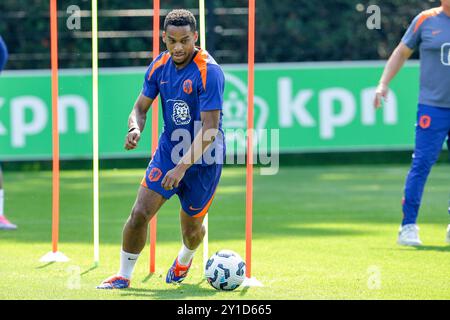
436,32
164,82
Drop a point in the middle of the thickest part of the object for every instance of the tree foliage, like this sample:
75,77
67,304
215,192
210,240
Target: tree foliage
287,31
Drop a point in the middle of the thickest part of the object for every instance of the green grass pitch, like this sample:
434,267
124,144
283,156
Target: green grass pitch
319,233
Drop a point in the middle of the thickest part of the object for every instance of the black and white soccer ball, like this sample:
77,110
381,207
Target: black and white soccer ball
225,270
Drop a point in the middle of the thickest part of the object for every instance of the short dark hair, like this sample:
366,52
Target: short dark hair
180,18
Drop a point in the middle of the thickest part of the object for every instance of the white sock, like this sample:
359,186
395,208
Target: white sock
127,262
185,255
2,195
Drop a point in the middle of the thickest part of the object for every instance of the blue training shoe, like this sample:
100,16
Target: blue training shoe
177,272
115,282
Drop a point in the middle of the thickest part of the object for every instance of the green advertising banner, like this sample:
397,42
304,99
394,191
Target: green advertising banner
308,107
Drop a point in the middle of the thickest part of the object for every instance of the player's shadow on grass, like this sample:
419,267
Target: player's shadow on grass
433,248
426,248
172,292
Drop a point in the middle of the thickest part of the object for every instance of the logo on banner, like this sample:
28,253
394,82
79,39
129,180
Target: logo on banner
235,110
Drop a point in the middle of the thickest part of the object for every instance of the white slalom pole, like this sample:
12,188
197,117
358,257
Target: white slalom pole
95,147
203,46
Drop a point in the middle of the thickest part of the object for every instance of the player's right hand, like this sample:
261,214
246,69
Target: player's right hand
132,139
380,94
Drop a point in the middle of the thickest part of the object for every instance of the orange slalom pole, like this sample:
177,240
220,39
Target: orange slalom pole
155,125
55,131
250,125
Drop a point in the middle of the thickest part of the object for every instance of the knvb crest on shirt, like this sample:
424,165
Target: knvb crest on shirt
181,113
187,86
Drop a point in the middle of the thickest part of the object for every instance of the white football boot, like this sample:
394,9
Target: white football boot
409,235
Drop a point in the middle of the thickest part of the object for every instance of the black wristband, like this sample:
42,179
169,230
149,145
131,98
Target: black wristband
131,130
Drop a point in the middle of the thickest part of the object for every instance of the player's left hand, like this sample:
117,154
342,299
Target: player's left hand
172,178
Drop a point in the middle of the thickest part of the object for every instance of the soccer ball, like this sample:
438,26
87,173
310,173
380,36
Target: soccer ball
225,270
